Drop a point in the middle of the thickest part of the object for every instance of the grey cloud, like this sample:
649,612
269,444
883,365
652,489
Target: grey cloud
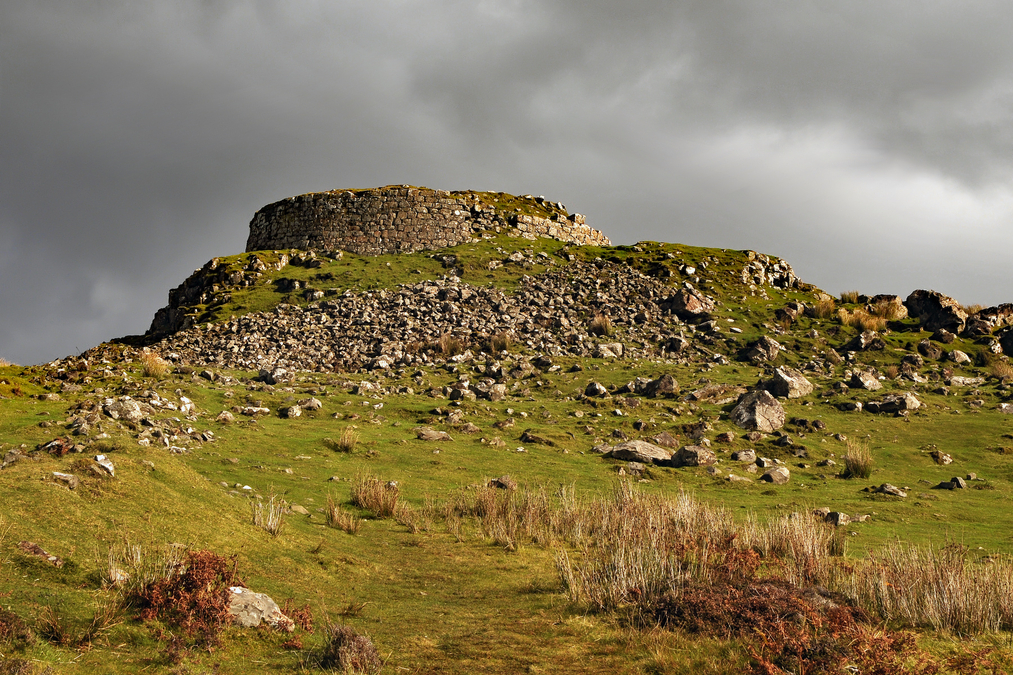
138,138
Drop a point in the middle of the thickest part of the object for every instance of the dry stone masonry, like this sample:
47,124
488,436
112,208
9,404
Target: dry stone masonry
403,219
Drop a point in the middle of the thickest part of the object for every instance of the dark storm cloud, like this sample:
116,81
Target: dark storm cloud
868,143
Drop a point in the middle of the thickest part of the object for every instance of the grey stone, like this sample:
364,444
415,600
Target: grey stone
758,410
641,451
693,455
779,475
250,609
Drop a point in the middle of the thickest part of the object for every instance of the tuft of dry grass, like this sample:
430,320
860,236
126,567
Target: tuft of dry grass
892,371
857,461
973,309
861,320
340,519
269,515
346,442
152,365
824,308
372,494
891,310
448,345
4,363
600,325
1000,369
348,652
849,297
499,343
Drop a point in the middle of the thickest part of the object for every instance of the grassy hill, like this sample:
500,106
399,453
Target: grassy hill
589,564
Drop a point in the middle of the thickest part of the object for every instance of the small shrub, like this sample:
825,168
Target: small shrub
857,461
849,297
349,652
195,599
372,494
346,442
824,308
302,616
269,516
601,325
340,519
152,365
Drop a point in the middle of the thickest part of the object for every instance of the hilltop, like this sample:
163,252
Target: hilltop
507,445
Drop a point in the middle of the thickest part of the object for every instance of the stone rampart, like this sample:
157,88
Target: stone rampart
397,219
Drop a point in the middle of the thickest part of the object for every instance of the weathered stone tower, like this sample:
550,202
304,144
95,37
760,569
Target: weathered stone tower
403,219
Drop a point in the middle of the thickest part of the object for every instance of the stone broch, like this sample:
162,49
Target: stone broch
401,219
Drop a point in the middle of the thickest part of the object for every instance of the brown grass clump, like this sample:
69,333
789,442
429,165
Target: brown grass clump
499,343
892,372
448,345
347,651
4,363
849,297
152,365
372,494
340,519
269,516
973,309
861,320
1000,369
600,325
857,461
891,310
824,308
346,442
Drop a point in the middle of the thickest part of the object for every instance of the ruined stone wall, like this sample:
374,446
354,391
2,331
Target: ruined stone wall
398,220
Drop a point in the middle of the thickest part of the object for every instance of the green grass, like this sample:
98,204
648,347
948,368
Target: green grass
442,599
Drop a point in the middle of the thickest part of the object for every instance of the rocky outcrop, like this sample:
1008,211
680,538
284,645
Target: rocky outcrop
404,219
936,311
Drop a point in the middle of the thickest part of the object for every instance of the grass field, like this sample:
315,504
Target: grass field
440,587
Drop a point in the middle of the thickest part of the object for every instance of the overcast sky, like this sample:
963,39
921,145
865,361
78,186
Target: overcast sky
868,142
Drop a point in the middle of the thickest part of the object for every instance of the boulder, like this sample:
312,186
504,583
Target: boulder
641,451
667,440
929,350
935,311
758,410
250,609
595,389
693,455
503,483
959,357
663,386
427,434
837,519
764,349
865,341
311,404
888,489
864,379
688,303
68,479
779,475
123,409
747,456
291,412
789,383
894,403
